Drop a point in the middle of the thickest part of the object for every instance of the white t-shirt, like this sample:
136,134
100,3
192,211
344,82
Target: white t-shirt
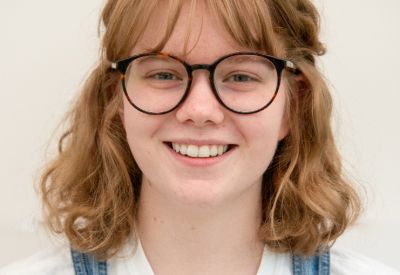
58,261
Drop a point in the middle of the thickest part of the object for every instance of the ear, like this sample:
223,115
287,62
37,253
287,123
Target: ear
301,85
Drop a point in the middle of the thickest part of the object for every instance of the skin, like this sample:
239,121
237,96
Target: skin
201,220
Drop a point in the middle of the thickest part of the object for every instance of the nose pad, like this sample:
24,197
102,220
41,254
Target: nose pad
200,107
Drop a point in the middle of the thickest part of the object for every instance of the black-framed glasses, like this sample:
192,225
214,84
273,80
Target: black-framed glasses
242,82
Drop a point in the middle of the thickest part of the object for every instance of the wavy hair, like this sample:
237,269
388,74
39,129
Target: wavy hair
90,190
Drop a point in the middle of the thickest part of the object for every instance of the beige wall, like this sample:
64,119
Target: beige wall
47,47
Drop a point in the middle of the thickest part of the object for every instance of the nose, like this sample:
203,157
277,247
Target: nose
201,107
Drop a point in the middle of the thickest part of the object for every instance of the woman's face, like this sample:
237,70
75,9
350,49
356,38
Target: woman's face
201,120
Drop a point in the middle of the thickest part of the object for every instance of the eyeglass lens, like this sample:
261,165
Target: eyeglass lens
244,83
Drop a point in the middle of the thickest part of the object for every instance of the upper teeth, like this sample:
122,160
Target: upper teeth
204,151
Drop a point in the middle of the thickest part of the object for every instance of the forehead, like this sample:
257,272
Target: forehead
197,33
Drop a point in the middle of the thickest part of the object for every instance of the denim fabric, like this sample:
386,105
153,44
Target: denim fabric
316,265
85,264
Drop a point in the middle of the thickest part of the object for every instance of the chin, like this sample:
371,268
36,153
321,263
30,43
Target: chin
200,193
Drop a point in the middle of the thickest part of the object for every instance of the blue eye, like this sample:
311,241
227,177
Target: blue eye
241,78
165,76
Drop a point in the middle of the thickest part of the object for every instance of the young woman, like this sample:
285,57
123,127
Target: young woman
201,144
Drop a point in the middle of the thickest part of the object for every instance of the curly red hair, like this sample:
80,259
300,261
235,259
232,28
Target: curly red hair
91,189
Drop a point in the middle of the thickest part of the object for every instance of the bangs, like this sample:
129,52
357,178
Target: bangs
248,23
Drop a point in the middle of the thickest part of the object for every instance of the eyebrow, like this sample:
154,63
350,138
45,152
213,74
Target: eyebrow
158,58
256,59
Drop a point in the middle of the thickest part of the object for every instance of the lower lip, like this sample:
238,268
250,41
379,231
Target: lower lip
200,162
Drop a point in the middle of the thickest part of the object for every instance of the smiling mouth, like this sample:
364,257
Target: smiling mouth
202,151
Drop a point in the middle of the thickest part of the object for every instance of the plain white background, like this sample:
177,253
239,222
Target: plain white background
47,48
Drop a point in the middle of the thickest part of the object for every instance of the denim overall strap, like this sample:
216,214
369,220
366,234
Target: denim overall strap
315,265
85,264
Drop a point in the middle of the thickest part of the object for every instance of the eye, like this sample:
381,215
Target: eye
239,78
164,76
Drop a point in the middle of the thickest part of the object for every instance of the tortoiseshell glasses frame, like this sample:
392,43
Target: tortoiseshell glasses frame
279,65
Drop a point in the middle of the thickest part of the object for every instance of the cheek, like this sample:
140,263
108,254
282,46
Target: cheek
268,126
263,131
263,137
257,150
141,133
138,127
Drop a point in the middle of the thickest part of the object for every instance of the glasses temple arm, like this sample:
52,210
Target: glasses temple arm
291,67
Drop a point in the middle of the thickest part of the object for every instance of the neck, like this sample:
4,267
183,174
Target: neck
193,239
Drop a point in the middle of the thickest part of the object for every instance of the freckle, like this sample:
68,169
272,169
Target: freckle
193,228
155,219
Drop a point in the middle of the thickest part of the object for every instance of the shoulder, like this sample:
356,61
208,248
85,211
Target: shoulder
50,261
346,262
342,262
